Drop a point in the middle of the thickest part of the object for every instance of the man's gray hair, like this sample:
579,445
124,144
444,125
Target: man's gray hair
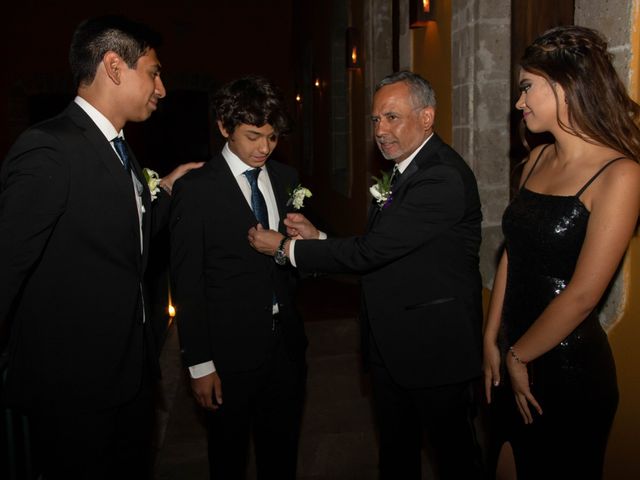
421,90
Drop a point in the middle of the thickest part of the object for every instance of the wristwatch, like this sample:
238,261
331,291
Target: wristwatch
280,256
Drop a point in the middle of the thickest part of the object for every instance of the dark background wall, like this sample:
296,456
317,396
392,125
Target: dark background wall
206,43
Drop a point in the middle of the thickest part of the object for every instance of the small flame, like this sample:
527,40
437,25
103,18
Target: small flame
426,6
317,84
298,98
172,311
354,55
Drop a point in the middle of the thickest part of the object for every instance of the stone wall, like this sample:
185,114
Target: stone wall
614,19
481,37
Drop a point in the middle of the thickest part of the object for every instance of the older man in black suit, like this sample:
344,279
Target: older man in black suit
421,308
76,217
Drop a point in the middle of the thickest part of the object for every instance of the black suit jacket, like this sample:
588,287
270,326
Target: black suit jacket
419,259
222,288
71,269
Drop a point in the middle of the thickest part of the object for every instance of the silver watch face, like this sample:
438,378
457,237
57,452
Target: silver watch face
280,257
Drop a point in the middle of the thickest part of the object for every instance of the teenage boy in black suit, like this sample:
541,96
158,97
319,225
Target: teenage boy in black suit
240,333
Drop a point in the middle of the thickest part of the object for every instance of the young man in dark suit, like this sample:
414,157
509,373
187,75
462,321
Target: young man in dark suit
240,333
76,217
422,310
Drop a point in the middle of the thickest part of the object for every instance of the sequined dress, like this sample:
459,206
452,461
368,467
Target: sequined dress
575,382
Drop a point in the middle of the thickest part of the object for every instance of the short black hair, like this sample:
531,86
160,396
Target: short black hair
252,100
96,36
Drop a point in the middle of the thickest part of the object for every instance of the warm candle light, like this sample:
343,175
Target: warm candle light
317,83
354,55
298,98
172,311
421,12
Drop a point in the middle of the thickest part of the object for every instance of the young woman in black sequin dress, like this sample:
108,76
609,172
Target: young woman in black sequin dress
549,372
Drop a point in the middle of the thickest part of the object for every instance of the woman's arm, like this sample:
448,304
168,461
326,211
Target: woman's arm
491,353
612,222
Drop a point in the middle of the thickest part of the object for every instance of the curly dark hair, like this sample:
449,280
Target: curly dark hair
110,33
600,110
252,100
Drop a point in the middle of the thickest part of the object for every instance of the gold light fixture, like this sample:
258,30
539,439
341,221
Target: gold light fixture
421,12
354,51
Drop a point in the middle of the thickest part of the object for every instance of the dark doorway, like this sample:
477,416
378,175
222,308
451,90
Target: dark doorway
529,20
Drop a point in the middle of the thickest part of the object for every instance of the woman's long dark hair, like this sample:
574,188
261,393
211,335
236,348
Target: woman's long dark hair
600,110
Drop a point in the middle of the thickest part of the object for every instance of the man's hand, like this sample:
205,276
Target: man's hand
208,391
264,241
299,227
166,183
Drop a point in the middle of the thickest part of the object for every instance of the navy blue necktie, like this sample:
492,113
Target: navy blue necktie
258,205
121,148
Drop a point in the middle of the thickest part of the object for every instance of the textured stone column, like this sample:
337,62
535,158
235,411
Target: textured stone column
481,36
614,19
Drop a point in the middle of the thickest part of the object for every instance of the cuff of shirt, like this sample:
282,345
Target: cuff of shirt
202,369
292,247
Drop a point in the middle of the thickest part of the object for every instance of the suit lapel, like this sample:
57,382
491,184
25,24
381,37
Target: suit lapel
277,187
107,156
146,206
227,188
422,158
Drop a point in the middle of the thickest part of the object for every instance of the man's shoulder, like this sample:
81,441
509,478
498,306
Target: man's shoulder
445,156
50,130
58,136
211,169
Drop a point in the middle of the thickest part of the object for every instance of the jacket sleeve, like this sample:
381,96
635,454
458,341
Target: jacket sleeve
34,189
187,274
430,204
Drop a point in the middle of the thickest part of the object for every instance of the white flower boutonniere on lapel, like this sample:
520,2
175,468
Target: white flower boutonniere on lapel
297,197
153,181
381,190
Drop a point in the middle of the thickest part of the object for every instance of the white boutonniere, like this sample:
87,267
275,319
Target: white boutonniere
381,190
153,181
297,197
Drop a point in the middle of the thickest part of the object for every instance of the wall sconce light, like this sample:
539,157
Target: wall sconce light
354,51
420,12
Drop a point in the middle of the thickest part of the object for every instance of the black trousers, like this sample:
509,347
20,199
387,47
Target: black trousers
444,414
97,445
267,403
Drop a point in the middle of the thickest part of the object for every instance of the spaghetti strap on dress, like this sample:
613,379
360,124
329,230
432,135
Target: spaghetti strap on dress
534,165
596,175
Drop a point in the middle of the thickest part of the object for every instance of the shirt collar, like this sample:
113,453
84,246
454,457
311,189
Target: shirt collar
237,166
103,124
402,166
